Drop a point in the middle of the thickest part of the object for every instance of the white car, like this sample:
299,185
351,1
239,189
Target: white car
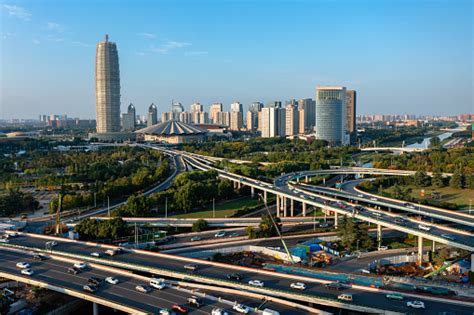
449,237
256,283
27,272
23,265
96,254
424,227
218,311
241,308
360,195
373,199
4,240
220,234
416,304
383,247
51,243
111,280
298,285
377,214
80,265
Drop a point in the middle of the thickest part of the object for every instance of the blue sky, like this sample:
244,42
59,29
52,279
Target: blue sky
402,56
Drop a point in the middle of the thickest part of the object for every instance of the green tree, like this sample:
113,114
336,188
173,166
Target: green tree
457,179
199,225
435,142
421,179
437,180
251,233
440,256
136,206
4,304
267,228
347,232
469,181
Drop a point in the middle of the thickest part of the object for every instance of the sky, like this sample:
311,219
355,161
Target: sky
402,56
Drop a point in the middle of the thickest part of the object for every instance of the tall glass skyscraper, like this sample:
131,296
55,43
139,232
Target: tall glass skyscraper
331,114
107,87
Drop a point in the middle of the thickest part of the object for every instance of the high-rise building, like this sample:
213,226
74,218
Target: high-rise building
195,109
214,109
152,117
292,119
255,107
129,118
351,103
252,116
236,116
223,118
273,120
107,87
331,114
309,113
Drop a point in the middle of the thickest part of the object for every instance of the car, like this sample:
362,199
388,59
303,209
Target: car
360,195
95,281
179,308
27,271
73,270
234,276
298,286
80,265
51,244
111,280
383,247
424,227
113,252
38,257
449,236
194,300
409,205
394,296
334,286
373,199
323,225
256,283
377,214
143,288
233,234
166,311
96,254
4,240
191,267
159,284
218,311
89,288
345,297
23,265
12,234
400,220
416,304
220,234
240,308
195,238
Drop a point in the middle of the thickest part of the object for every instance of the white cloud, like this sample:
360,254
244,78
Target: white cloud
8,35
36,42
55,27
168,46
80,44
16,12
195,53
147,35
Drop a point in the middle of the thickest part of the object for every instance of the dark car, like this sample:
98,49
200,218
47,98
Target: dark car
95,281
234,276
334,286
38,257
73,270
90,288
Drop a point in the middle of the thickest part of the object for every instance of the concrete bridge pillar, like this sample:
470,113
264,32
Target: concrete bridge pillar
238,185
285,214
433,246
235,185
278,205
379,235
252,191
335,220
292,208
419,257
95,308
306,179
304,209
472,261
265,196
298,180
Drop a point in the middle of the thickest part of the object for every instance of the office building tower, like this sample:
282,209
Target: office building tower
255,107
152,116
223,118
351,106
252,116
214,109
195,109
107,87
292,119
331,114
273,120
203,118
236,116
309,117
129,118
302,116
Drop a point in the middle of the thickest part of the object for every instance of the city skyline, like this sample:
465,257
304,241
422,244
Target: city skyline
163,63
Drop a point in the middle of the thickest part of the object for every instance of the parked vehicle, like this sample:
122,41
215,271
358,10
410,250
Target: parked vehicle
373,199
394,296
4,240
191,267
416,304
345,297
194,300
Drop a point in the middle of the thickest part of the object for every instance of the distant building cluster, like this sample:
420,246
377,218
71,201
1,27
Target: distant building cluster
62,121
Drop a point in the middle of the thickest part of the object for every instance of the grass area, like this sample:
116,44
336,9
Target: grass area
457,196
223,209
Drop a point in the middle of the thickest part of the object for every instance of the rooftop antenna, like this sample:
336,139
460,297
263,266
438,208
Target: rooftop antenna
106,37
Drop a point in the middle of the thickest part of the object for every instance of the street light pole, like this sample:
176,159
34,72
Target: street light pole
213,207
166,207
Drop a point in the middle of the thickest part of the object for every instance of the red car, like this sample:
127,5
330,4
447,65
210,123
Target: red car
179,308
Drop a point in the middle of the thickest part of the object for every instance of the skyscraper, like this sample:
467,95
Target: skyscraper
331,114
252,116
351,103
308,107
236,116
292,120
152,117
107,87
273,120
213,112
129,118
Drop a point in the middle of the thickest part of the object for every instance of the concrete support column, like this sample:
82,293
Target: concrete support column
298,180
335,220
379,235
238,185
433,246
419,257
278,205
472,261
265,196
292,208
235,185
95,309
306,179
252,191
285,214
304,209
